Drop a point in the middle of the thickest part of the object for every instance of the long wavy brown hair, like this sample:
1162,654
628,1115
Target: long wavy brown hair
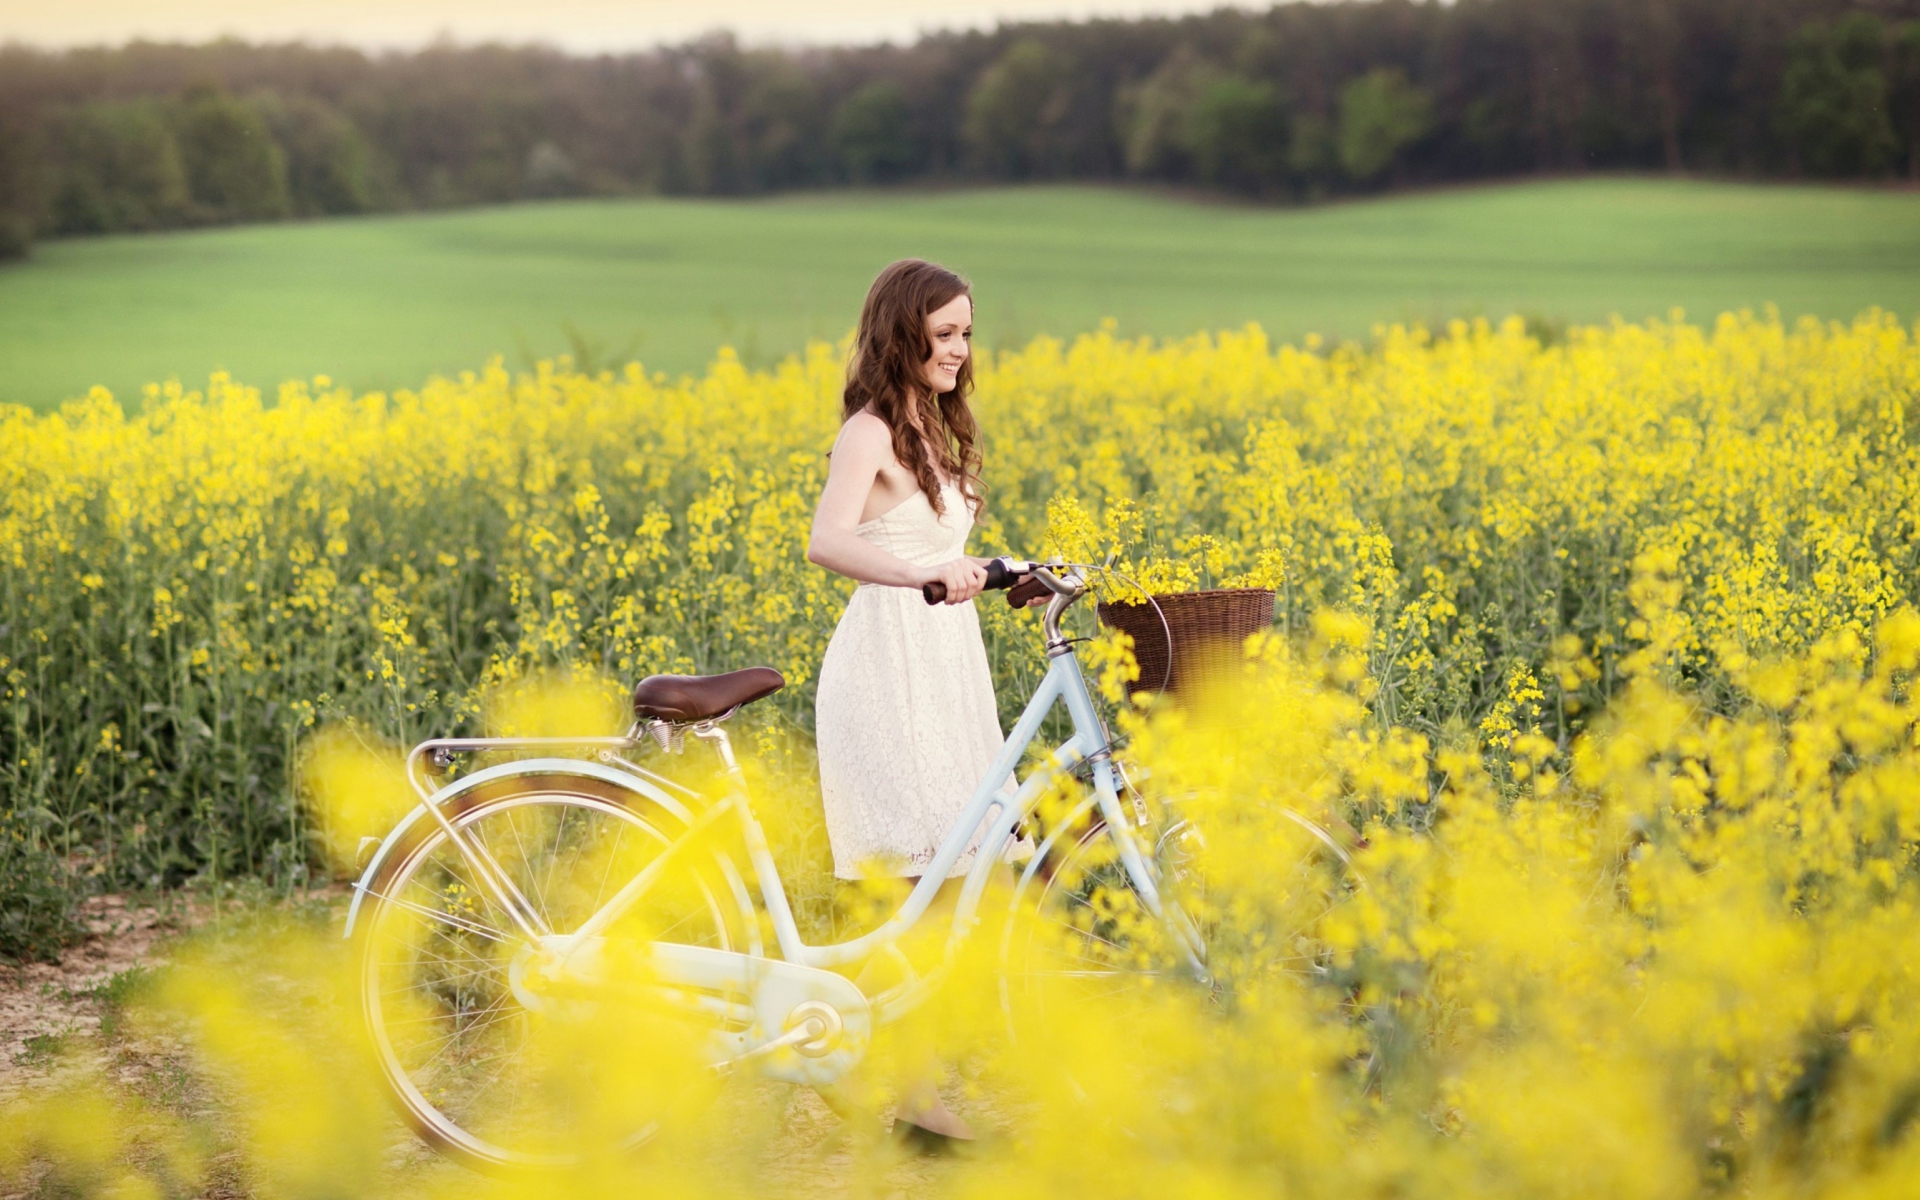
934,434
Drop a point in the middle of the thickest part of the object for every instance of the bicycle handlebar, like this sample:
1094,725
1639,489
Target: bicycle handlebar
1001,573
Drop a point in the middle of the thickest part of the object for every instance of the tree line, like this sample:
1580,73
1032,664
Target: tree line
1297,102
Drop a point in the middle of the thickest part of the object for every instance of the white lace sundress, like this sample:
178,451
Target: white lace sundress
905,721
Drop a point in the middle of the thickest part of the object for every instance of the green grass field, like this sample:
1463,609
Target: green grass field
387,301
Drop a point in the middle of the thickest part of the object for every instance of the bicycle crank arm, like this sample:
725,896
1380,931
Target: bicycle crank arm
809,1026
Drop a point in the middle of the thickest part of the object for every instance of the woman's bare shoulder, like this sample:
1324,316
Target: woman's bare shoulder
865,433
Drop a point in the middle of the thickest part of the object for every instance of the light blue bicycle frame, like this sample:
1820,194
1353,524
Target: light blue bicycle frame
990,806
990,809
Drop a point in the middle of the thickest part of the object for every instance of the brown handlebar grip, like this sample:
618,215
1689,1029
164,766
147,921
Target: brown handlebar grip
997,577
1025,592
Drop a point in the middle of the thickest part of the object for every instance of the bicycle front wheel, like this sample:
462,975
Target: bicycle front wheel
488,1064
1081,931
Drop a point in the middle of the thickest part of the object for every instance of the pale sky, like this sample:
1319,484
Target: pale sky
579,25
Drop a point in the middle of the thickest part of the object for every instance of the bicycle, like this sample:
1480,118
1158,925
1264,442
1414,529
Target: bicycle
492,905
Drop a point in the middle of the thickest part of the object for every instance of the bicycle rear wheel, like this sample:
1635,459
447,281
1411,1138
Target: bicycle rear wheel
492,1059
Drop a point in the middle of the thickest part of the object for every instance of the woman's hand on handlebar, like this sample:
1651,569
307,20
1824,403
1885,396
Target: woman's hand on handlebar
962,578
1029,593
1025,588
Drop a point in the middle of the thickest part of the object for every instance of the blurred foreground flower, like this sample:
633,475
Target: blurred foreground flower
1676,958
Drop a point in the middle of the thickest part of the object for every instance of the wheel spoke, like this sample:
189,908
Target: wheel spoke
1085,933
1106,974
447,919
553,860
449,1040
606,873
437,958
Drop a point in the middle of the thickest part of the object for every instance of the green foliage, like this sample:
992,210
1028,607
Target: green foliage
329,167
1311,153
782,124
1153,116
120,168
873,134
124,987
20,180
1192,118
1237,131
757,122
40,1049
36,895
1903,91
16,235
1381,114
1017,111
551,171
119,992
1298,100
235,170
202,156
1833,98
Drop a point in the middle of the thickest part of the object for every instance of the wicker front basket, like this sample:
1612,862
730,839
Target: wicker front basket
1207,630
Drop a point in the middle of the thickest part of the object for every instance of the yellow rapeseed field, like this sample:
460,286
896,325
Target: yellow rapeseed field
1604,650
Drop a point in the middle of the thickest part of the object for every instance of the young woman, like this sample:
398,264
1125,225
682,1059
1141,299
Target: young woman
905,718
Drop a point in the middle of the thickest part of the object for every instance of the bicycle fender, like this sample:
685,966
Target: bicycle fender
399,834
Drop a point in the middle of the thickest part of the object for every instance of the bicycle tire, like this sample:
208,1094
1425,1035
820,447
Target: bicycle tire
1077,928
423,914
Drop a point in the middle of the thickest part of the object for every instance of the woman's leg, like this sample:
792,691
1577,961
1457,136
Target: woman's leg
919,1095
920,1103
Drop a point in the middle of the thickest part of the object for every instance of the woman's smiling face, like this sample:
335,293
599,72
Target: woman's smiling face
950,331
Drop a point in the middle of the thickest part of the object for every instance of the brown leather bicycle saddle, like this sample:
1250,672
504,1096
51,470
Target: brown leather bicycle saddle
700,697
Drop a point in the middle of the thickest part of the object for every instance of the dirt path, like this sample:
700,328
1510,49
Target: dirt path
52,1017
46,1007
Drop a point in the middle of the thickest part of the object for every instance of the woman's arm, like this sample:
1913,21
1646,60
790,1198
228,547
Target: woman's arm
865,447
